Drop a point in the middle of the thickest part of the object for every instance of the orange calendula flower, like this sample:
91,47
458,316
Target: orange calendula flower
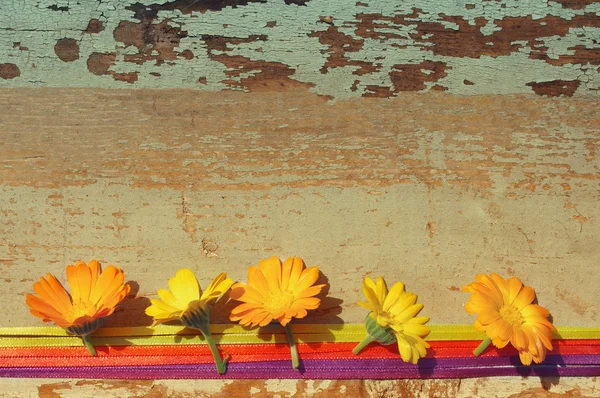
506,313
94,294
277,292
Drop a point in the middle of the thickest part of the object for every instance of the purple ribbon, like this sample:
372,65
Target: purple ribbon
566,365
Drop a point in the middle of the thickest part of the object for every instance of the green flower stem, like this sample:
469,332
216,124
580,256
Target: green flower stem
365,342
486,342
293,348
87,340
221,363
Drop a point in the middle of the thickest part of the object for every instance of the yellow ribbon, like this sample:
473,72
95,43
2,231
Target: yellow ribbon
235,334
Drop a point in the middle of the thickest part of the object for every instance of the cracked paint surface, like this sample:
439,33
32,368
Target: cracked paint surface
368,49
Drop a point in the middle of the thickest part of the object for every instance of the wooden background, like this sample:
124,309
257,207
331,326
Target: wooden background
421,142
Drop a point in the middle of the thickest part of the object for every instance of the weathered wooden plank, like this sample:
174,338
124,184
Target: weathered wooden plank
503,387
337,49
427,189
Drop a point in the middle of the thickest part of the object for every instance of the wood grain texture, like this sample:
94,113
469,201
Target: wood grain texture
422,141
426,189
500,387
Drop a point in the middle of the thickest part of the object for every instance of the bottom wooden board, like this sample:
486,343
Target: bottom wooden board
532,387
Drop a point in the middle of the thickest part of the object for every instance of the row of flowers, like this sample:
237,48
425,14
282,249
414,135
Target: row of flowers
279,292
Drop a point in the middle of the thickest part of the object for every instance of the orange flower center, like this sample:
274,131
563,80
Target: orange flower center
278,301
79,311
512,315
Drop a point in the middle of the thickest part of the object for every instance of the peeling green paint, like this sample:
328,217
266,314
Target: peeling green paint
30,32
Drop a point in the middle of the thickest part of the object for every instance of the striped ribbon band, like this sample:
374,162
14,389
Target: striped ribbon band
235,334
174,352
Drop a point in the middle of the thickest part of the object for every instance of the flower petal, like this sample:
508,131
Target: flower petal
246,293
408,313
310,303
257,280
406,300
284,320
524,298
166,296
266,319
184,286
310,292
160,309
479,303
499,343
488,317
534,310
420,320
416,329
84,279
514,287
259,316
271,269
308,278
519,339
381,289
72,275
368,306
542,333
525,357
58,299
286,270
502,286
109,280
109,305
45,310
242,308
488,287
247,318
395,294
59,290
96,270
218,287
297,267
499,329
109,286
404,348
371,295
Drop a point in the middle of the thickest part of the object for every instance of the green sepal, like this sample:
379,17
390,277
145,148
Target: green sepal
84,331
384,336
197,316
85,328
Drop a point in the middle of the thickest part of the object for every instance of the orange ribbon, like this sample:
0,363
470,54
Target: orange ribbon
198,354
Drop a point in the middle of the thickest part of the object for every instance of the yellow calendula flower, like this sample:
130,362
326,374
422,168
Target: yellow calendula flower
186,297
277,292
187,303
94,294
506,313
393,318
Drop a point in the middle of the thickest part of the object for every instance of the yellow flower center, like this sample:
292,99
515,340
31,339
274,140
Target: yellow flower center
385,319
512,315
278,301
